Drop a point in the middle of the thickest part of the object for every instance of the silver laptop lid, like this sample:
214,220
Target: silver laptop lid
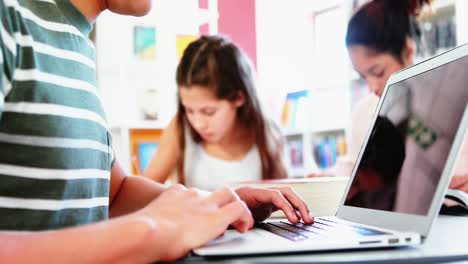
406,162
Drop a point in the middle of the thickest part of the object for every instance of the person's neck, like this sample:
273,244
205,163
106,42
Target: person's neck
91,9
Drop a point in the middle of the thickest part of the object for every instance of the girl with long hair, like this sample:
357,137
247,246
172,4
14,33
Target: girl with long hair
220,134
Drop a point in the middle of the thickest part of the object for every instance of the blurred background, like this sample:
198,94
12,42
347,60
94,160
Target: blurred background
304,76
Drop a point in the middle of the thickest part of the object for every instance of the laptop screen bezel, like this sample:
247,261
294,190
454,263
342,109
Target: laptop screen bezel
399,221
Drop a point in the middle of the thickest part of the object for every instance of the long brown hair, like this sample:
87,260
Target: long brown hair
218,64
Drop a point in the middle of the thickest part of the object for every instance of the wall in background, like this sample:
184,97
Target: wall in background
237,20
462,21
284,49
288,33
123,78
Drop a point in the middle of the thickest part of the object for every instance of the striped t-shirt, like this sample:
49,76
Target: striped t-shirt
55,148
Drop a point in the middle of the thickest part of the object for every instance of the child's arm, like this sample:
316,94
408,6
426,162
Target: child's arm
114,241
130,193
167,229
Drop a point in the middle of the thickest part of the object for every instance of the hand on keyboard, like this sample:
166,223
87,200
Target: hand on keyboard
263,202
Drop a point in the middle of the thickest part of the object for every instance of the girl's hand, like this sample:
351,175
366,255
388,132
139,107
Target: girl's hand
459,183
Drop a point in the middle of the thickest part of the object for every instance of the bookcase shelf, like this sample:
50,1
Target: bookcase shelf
296,132
303,154
313,123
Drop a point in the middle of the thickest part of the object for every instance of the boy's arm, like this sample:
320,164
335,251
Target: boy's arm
130,193
120,240
167,229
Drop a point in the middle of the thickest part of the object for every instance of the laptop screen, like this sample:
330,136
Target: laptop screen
410,141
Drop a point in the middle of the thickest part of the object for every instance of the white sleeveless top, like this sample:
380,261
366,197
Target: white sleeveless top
206,172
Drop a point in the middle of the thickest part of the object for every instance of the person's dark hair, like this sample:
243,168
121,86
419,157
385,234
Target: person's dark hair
218,64
384,25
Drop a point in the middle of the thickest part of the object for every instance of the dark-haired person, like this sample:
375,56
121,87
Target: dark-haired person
381,40
220,134
63,196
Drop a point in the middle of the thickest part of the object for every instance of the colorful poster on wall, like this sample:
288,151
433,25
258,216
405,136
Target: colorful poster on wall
144,42
182,41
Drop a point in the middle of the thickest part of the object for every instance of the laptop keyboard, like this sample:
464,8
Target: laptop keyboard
319,229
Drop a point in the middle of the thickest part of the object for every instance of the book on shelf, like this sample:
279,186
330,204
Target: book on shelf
294,114
322,194
327,150
295,153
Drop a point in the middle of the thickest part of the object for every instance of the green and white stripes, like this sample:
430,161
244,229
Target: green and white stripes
55,147
3,81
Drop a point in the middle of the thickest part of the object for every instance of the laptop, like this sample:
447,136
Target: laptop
401,175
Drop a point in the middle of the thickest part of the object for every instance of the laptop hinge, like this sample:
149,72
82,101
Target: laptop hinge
423,238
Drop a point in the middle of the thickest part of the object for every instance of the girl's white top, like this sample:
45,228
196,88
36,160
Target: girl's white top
203,171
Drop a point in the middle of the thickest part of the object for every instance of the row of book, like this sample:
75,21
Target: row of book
328,149
325,151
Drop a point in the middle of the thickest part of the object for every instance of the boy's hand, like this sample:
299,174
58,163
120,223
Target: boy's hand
263,202
189,218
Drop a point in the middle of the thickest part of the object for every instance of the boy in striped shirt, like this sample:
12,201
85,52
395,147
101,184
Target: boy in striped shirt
59,180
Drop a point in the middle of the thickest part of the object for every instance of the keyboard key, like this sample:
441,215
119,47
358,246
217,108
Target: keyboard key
281,232
363,231
295,229
312,228
319,229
